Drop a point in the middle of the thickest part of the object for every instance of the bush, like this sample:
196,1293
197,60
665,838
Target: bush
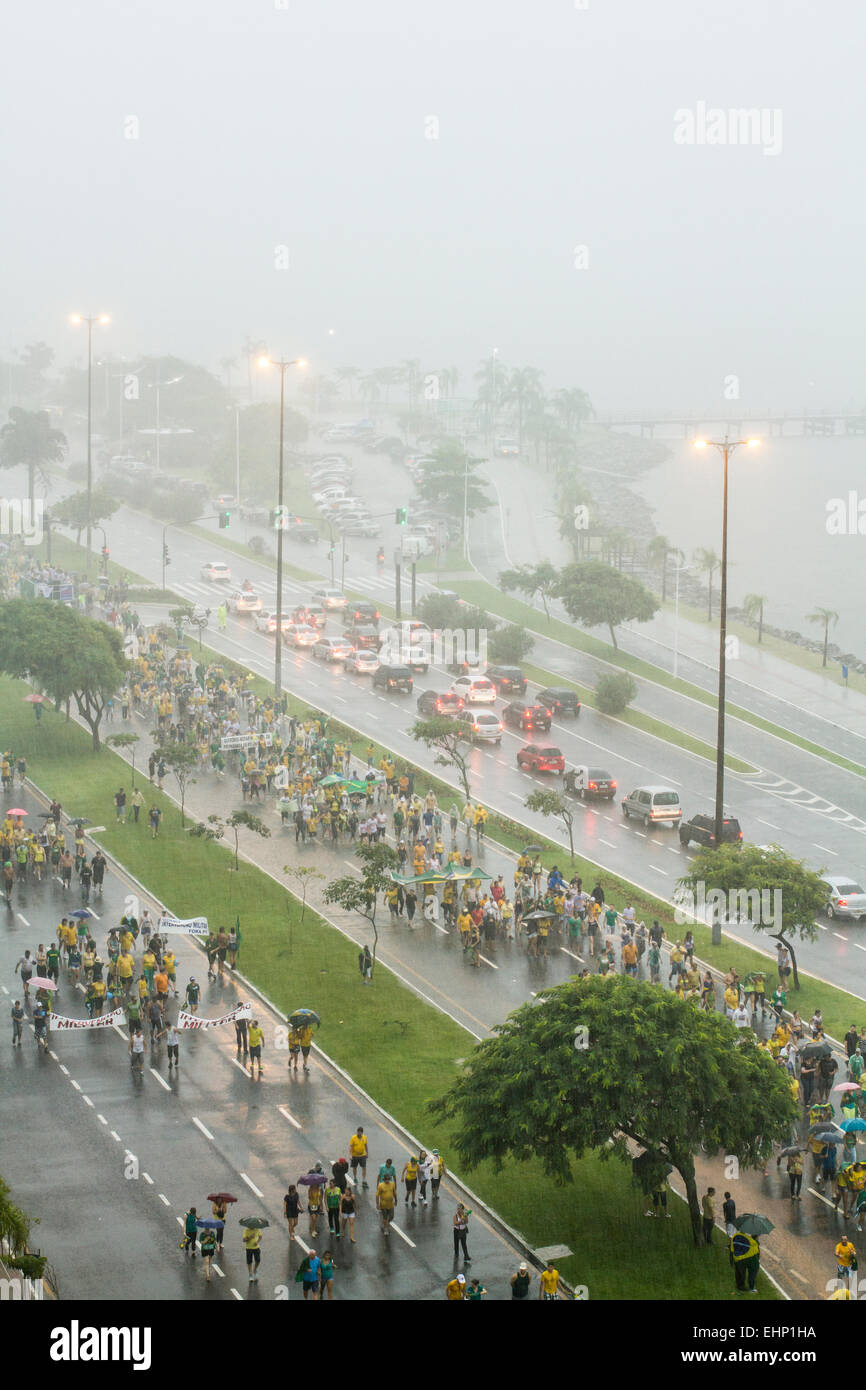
510,644
614,693
31,1266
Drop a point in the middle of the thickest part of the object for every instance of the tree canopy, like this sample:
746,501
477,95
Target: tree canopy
446,736
593,593
28,439
451,476
596,1062
541,579
361,895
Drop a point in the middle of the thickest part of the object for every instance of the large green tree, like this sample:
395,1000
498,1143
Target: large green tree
64,654
29,440
598,1062
777,894
446,736
71,510
450,479
593,594
362,894
538,580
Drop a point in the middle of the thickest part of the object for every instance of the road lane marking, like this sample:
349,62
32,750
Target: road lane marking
403,1235
238,1296
217,1270
820,1196
291,1119
22,919
609,844
251,1185
239,1065
65,1070
487,962
859,947
658,870
53,1056
148,1179
769,823
163,1083
165,1201
571,953
88,1101
840,936
115,1136
824,848
205,1131
4,989
102,1120
75,1083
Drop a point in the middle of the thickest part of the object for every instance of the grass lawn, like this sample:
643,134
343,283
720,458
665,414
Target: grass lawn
618,1254
513,610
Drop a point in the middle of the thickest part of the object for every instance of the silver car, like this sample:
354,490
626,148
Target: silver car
845,897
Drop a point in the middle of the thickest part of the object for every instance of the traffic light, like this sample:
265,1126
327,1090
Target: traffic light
280,518
224,519
105,552
400,515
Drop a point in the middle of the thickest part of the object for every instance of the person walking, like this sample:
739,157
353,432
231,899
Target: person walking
315,1203
219,1210
332,1207
326,1276
253,1248
208,1245
241,1037
846,1259
172,1043
292,1210
120,806
548,1283
348,1212
190,1232
708,1214
257,1042
410,1178
17,1023
729,1215
455,1289
460,1226
745,1256
520,1282
26,966
386,1200
358,1153
308,1275
794,1169
136,801
136,1050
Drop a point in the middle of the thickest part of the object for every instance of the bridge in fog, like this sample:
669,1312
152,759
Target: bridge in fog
824,425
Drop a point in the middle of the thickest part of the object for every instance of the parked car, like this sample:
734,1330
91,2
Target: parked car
362,662
480,726
332,649
302,634
244,601
527,714
364,636
390,677
266,621
431,702
535,757
845,898
559,700
216,570
329,598
653,805
590,783
476,690
509,680
702,829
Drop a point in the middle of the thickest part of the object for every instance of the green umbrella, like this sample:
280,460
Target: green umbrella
753,1225
254,1223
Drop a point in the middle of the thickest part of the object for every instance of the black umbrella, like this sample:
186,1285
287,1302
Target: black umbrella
532,849
538,916
817,1049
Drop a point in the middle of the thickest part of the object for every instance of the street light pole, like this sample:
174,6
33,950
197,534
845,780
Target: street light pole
90,320
725,447
282,365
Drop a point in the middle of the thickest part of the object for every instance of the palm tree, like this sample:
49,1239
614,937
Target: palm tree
228,365
448,379
657,553
410,371
573,406
28,438
754,608
707,561
616,540
825,616
491,377
369,387
346,375
523,390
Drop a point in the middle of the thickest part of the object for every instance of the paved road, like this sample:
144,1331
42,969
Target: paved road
109,1161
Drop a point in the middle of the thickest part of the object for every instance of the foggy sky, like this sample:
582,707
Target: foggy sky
305,127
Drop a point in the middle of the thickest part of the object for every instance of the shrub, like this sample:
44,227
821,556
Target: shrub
614,692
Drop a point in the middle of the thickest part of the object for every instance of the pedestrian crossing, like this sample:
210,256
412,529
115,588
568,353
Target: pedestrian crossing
796,795
378,586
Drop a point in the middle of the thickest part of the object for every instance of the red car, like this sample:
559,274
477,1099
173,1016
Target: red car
537,758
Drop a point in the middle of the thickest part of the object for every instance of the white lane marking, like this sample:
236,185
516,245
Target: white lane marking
670,849
571,953
205,1131
658,870
609,844
286,1114
403,1235
798,1276
115,1136
163,1083
216,1269
820,1196
88,1101
65,1070
341,698
371,715
238,1296
22,919
5,991
53,1056
75,1083
839,935
239,1065
859,947
148,1179
102,1120
769,823
350,865
251,1185
516,795
642,834
487,962
165,1201
824,848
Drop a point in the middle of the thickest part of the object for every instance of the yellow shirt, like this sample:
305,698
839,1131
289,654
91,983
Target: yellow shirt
256,1037
846,1254
358,1145
549,1280
454,1290
387,1195
411,1171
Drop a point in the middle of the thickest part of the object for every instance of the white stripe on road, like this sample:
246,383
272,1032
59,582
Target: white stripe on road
102,1120
239,1065
859,947
820,1196
115,1136
291,1119
53,1056
4,989
216,1269
148,1179
487,962
251,1185
165,1201
606,842
163,1083
88,1101
571,953
205,1131
403,1235
769,823
238,1296
840,936
22,919
659,871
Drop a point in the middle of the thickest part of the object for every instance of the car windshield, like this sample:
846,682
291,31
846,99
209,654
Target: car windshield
598,774
551,752
844,888
665,799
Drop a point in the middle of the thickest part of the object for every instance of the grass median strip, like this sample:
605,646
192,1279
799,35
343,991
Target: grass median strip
402,1051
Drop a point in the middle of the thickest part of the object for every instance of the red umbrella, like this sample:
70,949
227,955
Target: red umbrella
35,700
221,1197
17,811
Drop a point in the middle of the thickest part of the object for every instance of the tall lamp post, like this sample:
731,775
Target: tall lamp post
725,447
90,320
282,366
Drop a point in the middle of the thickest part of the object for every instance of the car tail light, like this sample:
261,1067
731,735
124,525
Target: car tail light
390,682
613,786
592,786
740,836
843,902
501,726
549,713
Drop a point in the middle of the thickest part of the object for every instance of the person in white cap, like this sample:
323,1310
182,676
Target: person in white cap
520,1282
455,1289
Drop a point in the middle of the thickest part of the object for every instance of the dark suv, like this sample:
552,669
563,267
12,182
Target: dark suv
361,611
702,829
364,636
559,700
527,714
394,678
509,680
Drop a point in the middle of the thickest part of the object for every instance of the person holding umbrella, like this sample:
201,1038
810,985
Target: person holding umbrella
253,1226
219,1209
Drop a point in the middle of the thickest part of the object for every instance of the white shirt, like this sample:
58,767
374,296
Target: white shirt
138,1042
741,1017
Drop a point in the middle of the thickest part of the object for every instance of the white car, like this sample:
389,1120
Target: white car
329,598
215,570
362,662
476,690
244,601
302,635
266,621
506,447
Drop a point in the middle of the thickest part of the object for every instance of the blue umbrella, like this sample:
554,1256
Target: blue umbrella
851,1125
209,1225
81,912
